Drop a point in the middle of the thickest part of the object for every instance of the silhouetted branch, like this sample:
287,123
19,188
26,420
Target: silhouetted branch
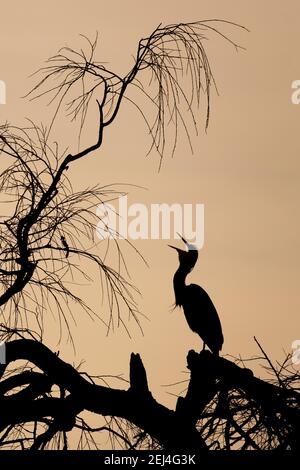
247,412
184,428
48,222
138,376
135,405
168,54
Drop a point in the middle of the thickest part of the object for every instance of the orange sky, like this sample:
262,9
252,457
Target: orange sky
245,170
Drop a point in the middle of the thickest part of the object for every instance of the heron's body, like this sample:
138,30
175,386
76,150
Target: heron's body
199,310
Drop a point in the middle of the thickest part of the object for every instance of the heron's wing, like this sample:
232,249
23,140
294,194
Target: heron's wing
202,316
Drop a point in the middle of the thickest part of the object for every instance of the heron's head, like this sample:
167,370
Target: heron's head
188,257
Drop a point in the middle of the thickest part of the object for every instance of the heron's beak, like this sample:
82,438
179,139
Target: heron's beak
177,249
174,247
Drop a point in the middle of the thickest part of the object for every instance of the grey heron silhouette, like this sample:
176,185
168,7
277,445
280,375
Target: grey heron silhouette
199,310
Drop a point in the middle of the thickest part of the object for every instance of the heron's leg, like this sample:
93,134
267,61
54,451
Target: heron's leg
203,346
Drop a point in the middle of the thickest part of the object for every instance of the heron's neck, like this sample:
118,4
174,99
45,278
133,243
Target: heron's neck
179,284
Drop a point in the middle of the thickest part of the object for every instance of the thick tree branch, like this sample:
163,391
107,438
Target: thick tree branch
210,375
135,405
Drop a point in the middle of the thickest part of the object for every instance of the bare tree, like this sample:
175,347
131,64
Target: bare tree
48,229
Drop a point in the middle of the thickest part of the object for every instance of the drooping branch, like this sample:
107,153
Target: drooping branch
30,219
168,54
47,215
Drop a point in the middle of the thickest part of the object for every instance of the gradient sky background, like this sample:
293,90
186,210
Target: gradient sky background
245,170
